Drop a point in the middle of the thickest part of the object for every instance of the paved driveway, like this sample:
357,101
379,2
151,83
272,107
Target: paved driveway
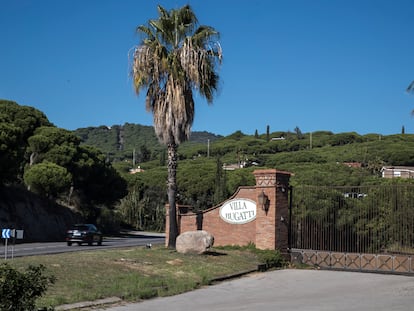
293,290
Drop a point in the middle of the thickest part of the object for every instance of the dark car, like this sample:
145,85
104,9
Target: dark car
83,233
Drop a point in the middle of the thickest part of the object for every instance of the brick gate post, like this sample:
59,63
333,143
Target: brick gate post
272,209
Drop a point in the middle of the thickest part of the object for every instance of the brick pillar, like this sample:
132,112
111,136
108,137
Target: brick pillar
271,220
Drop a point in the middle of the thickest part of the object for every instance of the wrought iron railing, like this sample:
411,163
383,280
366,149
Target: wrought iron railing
363,219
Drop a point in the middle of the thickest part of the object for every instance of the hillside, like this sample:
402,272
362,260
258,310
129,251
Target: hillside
125,175
39,218
272,149
120,141
313,158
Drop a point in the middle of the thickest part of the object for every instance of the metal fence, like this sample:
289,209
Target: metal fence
363,219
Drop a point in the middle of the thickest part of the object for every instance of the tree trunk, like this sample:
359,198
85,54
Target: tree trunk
172,192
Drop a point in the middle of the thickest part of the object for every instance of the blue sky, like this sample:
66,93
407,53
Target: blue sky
335,65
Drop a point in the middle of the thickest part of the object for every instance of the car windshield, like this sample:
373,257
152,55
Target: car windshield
81,228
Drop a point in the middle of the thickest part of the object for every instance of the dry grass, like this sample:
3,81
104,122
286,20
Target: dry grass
133,273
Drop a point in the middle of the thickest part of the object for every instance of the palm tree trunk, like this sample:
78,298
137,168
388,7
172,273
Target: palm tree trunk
172,192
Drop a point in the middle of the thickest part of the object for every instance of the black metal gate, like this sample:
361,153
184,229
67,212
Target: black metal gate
365,228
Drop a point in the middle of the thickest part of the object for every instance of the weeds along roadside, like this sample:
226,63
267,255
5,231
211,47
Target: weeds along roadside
133,274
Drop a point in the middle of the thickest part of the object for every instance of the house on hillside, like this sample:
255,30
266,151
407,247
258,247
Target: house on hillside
278,138
136,170
397,171
354,164
232,167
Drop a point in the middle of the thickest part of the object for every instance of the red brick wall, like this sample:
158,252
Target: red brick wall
267,231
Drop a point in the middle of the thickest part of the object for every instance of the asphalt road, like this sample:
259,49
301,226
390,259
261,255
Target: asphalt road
127,240
292,290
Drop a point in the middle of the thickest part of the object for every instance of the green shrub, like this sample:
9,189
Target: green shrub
19,290
270,258
267,257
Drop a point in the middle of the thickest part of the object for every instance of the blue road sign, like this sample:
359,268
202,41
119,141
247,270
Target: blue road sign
6,233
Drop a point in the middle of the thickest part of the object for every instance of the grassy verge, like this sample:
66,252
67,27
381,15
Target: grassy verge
135,273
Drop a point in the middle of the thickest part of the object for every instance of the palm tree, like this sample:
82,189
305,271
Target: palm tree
175,58
410,89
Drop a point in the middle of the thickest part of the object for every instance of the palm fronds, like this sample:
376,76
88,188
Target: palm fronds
174,58
410,88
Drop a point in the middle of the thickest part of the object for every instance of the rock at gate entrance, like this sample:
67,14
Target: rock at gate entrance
197,242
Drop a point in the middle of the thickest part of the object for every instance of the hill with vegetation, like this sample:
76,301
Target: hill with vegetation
119,172
51,163
313,158
120,142
206,174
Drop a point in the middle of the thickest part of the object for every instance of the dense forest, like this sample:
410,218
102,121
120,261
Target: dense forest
52,163
122,142
90,169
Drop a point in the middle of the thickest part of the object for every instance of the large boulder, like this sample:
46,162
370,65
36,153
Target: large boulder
195,242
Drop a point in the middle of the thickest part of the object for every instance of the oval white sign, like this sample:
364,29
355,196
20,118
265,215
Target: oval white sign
238,211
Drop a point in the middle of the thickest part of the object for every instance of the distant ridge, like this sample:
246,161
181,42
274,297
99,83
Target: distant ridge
119,140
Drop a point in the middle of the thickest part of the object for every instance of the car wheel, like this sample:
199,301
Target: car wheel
79,243
99,242
69,243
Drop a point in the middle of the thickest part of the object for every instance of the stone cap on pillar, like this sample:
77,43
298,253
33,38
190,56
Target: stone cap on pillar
271,177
